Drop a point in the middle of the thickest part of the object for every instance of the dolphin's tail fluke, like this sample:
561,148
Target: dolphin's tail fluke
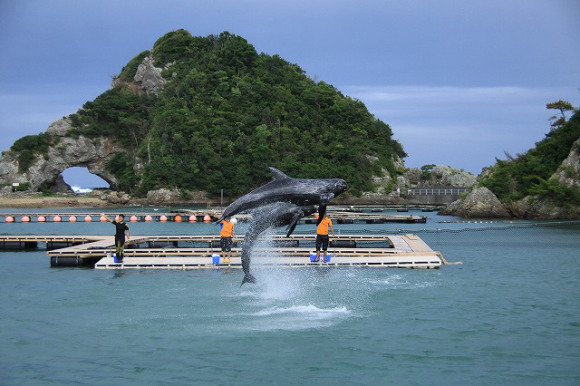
248,278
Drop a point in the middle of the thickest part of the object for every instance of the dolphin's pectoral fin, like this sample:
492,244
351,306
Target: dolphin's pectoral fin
293,224
248,278
325,198
277,173
321,213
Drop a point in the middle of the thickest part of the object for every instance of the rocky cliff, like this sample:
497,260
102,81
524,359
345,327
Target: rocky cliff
68,150
393,191
482,203
479,203
147,78
65,152
438,176
568,174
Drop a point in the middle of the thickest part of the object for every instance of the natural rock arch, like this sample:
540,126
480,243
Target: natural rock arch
78,178
92,153
46,169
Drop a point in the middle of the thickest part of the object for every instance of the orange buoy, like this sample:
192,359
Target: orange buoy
41,219
25,218
148,218
207,218
88,218
57,219
133,218
177,218
72,219
163,218
102,219
192,218
9,219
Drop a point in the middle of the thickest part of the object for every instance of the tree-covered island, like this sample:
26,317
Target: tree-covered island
218,115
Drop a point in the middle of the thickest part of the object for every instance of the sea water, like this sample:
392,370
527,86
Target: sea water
509,315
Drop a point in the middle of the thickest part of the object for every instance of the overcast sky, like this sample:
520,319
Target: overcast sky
459,82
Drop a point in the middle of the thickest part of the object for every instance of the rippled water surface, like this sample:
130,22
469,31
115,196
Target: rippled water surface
509,315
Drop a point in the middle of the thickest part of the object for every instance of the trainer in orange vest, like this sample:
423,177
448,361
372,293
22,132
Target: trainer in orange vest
226,241
322,238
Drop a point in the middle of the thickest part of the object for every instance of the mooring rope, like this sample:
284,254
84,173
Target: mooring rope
510,226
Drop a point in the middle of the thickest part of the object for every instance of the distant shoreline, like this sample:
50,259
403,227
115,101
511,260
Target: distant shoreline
23,200
37,200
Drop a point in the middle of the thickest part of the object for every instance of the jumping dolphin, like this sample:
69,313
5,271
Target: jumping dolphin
273,215
297,191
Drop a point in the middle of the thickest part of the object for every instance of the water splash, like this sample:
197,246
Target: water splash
310,311
266,218
79,190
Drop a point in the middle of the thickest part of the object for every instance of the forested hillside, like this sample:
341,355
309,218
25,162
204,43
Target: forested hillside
225,114
531,174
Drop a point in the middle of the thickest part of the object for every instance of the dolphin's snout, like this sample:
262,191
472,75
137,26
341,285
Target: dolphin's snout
341,186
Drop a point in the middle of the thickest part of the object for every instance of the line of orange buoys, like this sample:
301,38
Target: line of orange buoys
88,218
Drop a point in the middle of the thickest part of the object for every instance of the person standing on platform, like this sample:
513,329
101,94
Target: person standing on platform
122,230
226,240
322,237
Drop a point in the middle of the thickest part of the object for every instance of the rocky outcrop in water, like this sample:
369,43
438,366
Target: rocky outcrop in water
480,202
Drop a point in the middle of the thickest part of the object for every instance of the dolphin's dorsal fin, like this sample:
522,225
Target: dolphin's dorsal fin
278,175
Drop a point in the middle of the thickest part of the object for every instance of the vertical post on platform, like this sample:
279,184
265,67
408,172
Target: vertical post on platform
222,199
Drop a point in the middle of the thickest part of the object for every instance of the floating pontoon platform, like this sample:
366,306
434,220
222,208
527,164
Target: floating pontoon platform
197,252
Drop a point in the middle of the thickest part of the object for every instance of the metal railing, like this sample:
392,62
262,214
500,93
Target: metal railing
435,191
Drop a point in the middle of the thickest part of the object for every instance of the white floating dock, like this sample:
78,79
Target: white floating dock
198,252
182,262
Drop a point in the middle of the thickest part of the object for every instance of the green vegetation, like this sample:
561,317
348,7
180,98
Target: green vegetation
117,113
226,114
22,187
128,72
529,173
28,147
426,171
122,168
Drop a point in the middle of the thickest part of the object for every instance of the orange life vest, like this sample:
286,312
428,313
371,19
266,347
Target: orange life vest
323,226
227,229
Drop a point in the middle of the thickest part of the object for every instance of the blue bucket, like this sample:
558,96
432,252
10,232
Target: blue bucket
115,259
215,259
328,258
312,256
